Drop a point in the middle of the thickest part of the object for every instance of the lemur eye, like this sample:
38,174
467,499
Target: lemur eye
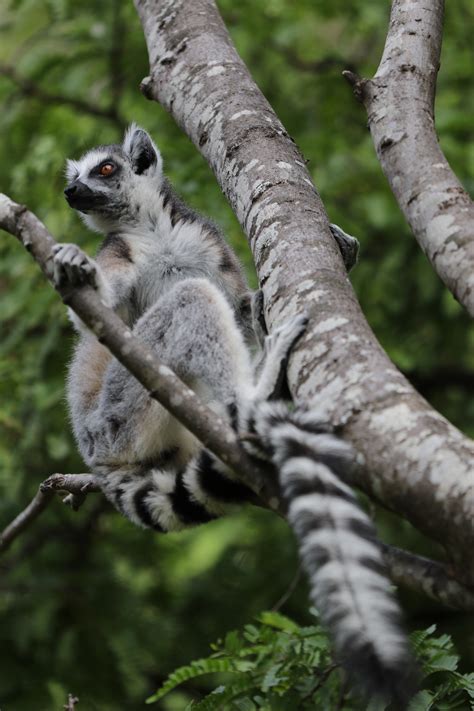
106,169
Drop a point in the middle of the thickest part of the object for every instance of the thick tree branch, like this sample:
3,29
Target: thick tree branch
416,462
162,384
400,106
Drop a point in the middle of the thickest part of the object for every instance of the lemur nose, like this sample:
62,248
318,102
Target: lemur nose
70,190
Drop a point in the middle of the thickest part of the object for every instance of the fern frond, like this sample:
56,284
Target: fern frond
197,668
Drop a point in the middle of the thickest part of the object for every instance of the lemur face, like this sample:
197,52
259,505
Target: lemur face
109,182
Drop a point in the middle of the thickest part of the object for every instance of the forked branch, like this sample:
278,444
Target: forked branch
416,463
164,386
400,107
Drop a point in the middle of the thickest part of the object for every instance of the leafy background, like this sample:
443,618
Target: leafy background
88,603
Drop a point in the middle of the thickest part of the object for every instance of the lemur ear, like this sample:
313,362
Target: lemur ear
143,153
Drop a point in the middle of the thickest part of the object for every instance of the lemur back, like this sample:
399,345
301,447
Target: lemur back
176,283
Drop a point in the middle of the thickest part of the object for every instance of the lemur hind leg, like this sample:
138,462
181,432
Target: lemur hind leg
179,484
192,329
169,497
277,348
204,487
258,317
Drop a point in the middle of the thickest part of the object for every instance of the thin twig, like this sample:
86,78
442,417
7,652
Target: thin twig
321,681
70,705
25,518
289,591
77,486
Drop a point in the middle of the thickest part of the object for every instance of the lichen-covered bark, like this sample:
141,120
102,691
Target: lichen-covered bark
400,106
429,577
415,461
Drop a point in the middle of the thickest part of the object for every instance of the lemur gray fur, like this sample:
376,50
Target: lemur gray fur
179,286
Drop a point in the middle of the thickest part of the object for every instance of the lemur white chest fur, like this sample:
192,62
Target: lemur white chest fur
172,277
163,254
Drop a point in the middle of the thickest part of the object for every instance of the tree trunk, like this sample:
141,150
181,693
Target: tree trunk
413,460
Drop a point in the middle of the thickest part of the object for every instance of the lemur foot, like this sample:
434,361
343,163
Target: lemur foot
348,246
280,342
73,267
272,383
277,349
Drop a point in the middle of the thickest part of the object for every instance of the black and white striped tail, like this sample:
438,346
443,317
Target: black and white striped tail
166,499
339,550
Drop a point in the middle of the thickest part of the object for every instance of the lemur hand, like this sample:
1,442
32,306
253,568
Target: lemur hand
72,266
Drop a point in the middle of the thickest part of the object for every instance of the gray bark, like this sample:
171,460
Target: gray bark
415,462
400,107
434,580
78,486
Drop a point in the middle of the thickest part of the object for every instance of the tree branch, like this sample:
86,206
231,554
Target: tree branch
31,89
162,384
400,107
78,486
415,461
427,576
422,575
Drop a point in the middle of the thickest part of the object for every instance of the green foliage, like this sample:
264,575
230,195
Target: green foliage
88,603
446,688
275,664
278,665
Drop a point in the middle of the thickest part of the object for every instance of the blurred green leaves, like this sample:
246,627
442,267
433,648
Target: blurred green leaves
277,665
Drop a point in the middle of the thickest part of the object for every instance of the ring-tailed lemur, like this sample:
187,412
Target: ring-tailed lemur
173,279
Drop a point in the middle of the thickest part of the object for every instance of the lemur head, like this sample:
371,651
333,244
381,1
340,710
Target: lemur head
110,185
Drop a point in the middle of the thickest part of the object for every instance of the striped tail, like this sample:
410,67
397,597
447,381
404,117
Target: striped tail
340,552
166,497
